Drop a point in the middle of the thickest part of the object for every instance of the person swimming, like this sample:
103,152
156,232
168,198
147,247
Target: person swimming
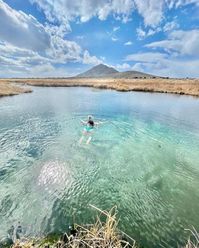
88,129
89,124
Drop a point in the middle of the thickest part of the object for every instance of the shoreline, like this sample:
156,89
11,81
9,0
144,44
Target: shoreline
189,87
12,89
102,232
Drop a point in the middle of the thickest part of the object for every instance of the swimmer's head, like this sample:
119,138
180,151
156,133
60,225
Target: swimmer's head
90,117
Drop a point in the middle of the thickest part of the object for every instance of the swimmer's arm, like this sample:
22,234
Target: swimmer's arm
100,122
84,122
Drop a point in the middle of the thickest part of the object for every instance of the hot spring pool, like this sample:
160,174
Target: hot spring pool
144,160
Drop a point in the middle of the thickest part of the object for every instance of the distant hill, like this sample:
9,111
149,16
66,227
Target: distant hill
98,71
104,71
132,74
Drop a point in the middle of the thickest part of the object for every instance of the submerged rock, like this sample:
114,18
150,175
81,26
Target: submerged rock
14,233
6,242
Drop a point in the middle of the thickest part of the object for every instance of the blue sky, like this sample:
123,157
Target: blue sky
45,38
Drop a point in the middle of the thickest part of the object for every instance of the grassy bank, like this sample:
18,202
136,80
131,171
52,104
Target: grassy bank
175,86
100,234
10,89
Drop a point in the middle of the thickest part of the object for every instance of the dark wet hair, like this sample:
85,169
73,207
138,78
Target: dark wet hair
91,122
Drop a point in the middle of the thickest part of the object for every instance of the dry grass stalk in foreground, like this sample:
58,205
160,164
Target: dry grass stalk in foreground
195,242
99,235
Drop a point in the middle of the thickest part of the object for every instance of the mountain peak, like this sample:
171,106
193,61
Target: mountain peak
104,71
102,66
99,70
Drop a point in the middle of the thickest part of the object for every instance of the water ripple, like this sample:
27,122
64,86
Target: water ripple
144,160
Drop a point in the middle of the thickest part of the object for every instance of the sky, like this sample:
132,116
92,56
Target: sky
48,38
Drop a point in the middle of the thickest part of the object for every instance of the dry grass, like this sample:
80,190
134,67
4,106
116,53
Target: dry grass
9,89
99,235
176,86
193,242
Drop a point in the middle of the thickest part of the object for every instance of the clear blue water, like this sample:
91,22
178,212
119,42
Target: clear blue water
144,160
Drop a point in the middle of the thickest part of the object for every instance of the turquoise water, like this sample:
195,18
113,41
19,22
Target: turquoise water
144,160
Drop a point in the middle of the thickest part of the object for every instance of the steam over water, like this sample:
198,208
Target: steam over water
144,159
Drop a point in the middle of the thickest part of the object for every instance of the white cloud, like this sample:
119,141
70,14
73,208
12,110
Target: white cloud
123,66
65,11
170,26
116,29
12,55
93,60
18,62
142,34
112,33
161,64
64,51
128,43
177,3
26,45
145,57
29,34
153,31
114,39
80,37
171,67
48,70
178,56
22,30
151,11
43,70
181,42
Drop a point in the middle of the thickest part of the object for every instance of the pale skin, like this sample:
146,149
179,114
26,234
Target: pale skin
88,132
